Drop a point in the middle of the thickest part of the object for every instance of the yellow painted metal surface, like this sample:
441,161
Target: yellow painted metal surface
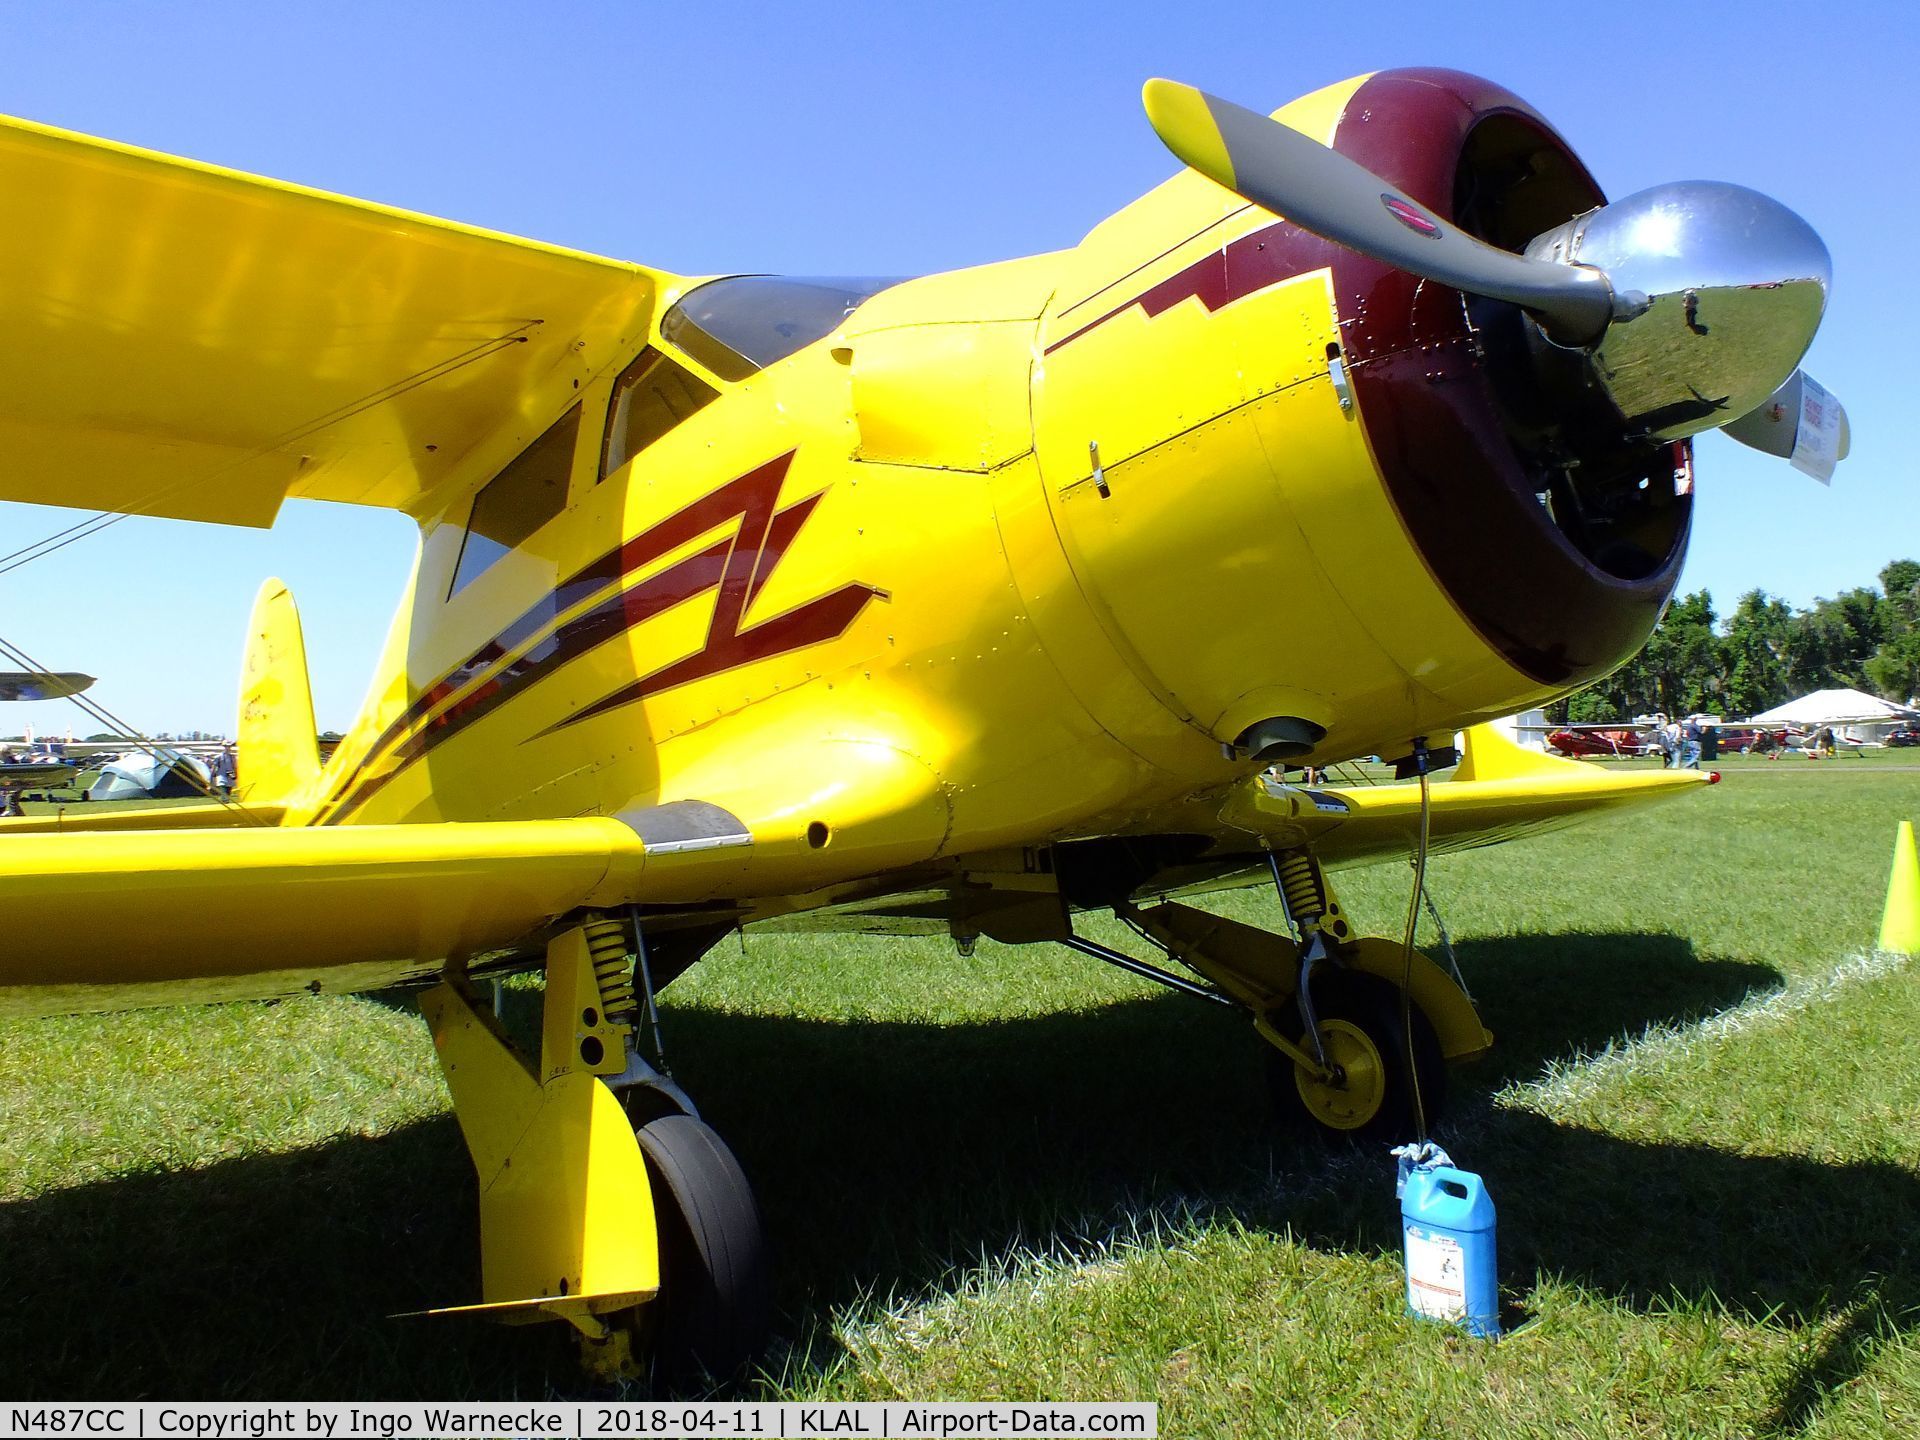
1240,550
1500,792
197,815
1456,1024
1261,970
186,340
167,917
943,396
277,751
1362,1072
1256,967
575,1033
1179,113
566,1209
1004,290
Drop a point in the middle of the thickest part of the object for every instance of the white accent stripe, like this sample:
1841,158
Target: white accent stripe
1570,1082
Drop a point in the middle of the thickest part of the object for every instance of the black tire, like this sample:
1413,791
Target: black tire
1351,1005
713,1309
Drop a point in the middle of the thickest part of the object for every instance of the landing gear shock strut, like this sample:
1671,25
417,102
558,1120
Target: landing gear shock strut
636,1229
612,969
1326,1004
1308,901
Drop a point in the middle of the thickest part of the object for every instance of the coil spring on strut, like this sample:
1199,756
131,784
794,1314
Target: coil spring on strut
1301,885
607,944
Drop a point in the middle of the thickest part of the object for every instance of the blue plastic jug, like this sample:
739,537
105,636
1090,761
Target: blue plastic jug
1448,1220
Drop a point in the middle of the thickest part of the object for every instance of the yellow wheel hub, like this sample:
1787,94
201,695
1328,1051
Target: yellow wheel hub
1358,1087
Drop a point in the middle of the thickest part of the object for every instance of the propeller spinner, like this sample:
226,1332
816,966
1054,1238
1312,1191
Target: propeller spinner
1691,302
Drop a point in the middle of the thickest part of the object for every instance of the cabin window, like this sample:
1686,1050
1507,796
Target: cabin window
651,396
739,325
519,500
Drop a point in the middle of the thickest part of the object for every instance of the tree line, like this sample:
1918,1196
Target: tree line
1766,653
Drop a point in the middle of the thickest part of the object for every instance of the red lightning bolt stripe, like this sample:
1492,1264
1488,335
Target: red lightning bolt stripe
1254,262
739,567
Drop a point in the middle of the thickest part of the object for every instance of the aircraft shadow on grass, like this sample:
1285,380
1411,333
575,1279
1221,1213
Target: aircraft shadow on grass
885,1153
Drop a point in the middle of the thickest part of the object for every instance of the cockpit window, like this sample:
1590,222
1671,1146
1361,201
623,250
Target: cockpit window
651,396
530,491
739,325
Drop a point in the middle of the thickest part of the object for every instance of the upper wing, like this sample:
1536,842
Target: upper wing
189,341
1500,792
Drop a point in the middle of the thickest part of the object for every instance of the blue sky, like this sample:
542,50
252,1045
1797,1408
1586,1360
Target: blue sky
902,139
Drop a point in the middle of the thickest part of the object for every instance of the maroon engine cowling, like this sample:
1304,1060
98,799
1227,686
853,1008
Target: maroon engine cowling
1558,537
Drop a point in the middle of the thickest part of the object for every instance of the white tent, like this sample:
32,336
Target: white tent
159,775
1834,707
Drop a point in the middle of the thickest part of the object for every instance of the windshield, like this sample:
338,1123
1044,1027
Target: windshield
738,325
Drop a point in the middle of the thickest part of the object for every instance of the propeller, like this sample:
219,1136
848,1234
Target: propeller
1800,422
1693,302
1323,191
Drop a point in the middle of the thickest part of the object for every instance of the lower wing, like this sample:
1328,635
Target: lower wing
103,919
122,919
107,910
1500,792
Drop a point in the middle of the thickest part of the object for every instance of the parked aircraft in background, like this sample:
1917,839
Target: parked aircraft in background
41,684
1585,742
1601,741
23,765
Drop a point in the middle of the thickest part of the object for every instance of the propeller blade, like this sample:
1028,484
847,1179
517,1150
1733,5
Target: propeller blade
1801,422
1321,190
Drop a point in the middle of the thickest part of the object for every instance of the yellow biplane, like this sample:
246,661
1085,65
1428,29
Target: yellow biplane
966,604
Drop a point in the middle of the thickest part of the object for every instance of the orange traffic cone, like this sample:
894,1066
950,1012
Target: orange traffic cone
1900,926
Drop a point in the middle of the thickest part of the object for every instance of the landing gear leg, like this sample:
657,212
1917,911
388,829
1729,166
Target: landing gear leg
713,1313
1329,1006
1374,1074
579,1219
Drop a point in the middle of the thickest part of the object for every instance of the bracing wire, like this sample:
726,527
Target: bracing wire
1358,772
100,713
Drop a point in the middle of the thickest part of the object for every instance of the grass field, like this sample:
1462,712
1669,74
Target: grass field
1019,1175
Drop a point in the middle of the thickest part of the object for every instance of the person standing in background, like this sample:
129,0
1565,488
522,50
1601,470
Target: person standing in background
225,768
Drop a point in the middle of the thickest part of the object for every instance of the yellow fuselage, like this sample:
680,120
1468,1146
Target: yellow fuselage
1008,557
